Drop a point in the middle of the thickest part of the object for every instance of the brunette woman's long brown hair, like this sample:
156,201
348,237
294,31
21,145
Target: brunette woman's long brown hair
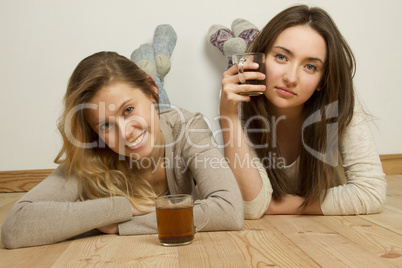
99,170
335,99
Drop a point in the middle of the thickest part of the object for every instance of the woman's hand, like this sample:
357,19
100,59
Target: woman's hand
109,229
232,88
114,227
136,212
290,205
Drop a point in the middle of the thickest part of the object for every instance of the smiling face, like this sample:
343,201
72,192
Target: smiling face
294,67
126,120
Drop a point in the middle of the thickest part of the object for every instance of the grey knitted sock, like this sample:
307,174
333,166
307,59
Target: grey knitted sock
223,38
245,30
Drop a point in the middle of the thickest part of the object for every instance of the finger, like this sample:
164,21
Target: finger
251,76
232,98
250,65
243,89
242,78
231,71
256,90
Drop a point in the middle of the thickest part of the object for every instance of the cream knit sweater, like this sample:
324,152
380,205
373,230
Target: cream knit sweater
359,186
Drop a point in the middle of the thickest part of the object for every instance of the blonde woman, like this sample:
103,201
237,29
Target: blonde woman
118,155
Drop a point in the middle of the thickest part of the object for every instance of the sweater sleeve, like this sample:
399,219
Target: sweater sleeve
257,207
215,181
365,188
51,213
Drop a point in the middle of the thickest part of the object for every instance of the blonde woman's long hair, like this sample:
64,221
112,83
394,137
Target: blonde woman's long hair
100,171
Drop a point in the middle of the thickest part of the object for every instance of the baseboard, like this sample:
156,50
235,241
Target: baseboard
391,163
21,180
24,180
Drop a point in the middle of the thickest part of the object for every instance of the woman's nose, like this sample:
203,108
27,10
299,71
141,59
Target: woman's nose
291,75
126,128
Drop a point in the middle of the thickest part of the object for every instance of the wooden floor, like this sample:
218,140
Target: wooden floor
274,241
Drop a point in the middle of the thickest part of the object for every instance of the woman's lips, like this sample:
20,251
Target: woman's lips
285,92
138,142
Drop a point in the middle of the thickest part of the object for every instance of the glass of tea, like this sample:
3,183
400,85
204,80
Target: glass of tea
174,216
257,57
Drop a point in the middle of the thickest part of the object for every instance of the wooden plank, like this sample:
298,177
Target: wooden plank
118,251
391,163
325,246
394,202
257,245
263,245
43,256
394,185
21,180
374,238
390,218
394,191
20,257
211,249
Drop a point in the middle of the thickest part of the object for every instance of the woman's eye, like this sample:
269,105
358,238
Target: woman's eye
311,67
128,110
104,126
280,57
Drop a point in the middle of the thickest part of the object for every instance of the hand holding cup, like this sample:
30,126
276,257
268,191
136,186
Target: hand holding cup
256,57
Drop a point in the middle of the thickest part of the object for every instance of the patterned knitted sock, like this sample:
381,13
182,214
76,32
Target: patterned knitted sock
223,38
164,43
144,58
245,30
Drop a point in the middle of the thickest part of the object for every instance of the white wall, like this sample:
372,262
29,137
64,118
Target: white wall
41,42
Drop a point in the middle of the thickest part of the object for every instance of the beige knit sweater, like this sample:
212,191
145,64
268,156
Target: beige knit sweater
51,212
